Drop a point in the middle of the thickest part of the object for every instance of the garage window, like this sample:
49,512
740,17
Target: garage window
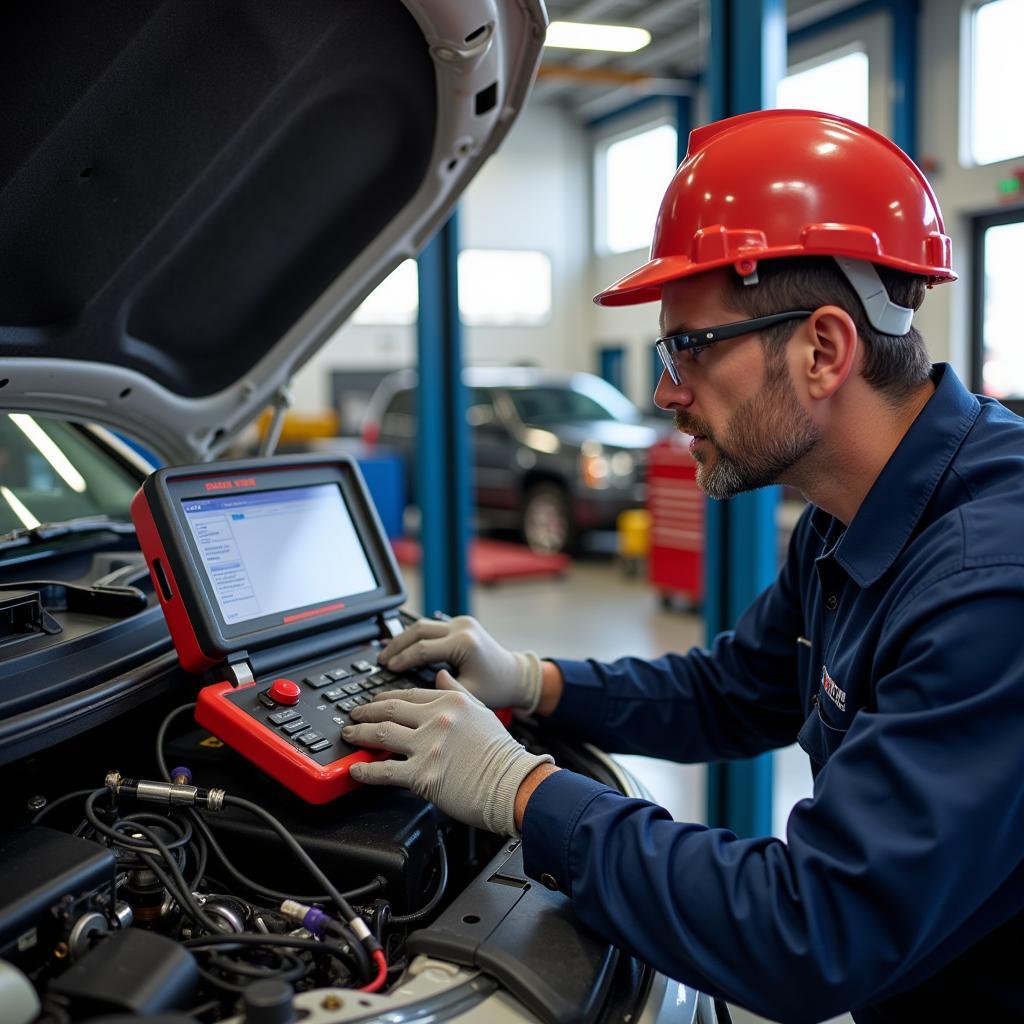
504,287
993,82
497,287
836,83
997,365
631,174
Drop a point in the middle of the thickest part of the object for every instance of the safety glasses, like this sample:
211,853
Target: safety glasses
672,344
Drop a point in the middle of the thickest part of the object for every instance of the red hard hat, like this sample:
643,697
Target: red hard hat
790,183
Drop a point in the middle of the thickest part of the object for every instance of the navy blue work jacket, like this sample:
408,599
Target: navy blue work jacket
892,651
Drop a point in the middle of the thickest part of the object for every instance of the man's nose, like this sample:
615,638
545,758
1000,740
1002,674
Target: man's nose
670,396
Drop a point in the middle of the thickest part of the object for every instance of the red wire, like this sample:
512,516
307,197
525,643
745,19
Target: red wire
382,972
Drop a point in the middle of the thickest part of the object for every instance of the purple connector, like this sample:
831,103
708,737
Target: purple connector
315,921
181,776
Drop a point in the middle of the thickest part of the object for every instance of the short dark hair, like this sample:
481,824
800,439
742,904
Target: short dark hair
895,366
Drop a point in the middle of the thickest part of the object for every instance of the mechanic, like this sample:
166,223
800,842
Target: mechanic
889,647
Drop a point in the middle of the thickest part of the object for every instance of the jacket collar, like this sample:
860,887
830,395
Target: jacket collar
897,499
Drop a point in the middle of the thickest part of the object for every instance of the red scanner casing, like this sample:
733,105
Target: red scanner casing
206,645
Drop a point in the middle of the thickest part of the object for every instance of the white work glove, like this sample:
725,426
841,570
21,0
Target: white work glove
500,678
457,754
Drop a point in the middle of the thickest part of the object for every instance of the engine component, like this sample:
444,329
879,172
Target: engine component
269,1002
134,971
90,927
50,880
17,996
390,834
230,913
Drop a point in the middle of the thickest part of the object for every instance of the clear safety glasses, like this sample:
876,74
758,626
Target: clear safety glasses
672,345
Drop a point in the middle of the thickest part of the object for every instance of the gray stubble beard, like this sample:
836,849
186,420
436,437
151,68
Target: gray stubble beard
767,436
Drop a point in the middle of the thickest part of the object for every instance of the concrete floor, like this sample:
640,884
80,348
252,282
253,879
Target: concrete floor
598,611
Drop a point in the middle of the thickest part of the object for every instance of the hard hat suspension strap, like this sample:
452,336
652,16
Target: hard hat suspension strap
883,314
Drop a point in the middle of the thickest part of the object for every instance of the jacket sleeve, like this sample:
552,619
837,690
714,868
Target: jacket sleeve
907,854
736,700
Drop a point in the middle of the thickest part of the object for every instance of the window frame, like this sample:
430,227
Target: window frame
602,144
965,85
827,56
871,33
518,325
976,347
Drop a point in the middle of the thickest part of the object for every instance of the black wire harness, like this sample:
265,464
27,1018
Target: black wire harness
244,931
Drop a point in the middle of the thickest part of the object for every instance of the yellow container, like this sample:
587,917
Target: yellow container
301,426
634,533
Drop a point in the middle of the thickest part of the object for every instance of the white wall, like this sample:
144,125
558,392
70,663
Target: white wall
532,194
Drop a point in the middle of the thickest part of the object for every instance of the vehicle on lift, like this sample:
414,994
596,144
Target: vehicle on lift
555,454
194,197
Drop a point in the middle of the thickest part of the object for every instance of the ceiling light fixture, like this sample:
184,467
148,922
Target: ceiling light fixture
579,36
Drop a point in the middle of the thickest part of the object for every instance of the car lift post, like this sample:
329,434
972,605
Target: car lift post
747,58
442,443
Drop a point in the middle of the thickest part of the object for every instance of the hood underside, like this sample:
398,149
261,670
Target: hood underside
193,196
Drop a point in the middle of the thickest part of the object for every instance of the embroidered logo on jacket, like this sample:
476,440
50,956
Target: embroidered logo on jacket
828,684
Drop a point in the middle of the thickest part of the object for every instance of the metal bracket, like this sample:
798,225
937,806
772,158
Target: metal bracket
238,669
281,402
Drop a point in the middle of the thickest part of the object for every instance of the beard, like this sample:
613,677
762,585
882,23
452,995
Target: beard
766,436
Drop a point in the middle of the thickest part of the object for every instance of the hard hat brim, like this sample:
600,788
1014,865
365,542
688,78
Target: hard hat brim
644,283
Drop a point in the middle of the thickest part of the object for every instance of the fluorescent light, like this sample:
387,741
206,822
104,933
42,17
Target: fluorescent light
28,520
578,36
49,450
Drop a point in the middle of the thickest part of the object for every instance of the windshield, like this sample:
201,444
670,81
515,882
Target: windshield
51,472
563,404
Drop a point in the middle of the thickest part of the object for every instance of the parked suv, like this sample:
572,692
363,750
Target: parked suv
555,454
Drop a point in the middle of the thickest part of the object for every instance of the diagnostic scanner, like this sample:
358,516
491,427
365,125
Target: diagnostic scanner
278,582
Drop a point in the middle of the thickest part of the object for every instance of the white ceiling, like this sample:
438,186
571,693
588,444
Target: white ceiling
589,84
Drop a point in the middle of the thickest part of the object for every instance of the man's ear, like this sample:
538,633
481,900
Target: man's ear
831,348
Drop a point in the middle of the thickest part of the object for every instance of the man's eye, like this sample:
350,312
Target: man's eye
694,353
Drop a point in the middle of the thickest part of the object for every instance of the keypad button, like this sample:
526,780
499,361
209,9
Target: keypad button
361,698
370,684
280,717
385,676
338,673
284,691
318,681
266,700
292,727
353,688
362,666
347,705
319,745
307,738
336,694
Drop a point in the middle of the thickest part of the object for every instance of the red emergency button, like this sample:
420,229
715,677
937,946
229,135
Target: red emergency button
284,691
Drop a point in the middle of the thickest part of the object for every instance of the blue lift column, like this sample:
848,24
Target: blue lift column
746,59
442,444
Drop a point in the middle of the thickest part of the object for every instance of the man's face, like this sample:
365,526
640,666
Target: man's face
738,402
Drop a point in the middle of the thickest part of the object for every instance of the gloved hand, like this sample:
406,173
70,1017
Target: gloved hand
458,755
500,678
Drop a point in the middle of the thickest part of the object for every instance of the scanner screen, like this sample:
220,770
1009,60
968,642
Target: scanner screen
269,552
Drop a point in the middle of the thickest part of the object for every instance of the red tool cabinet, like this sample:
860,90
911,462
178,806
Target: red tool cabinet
676,504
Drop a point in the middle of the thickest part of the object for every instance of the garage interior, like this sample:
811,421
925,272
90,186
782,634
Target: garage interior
503,287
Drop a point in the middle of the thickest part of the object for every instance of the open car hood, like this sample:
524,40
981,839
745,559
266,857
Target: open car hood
194,196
